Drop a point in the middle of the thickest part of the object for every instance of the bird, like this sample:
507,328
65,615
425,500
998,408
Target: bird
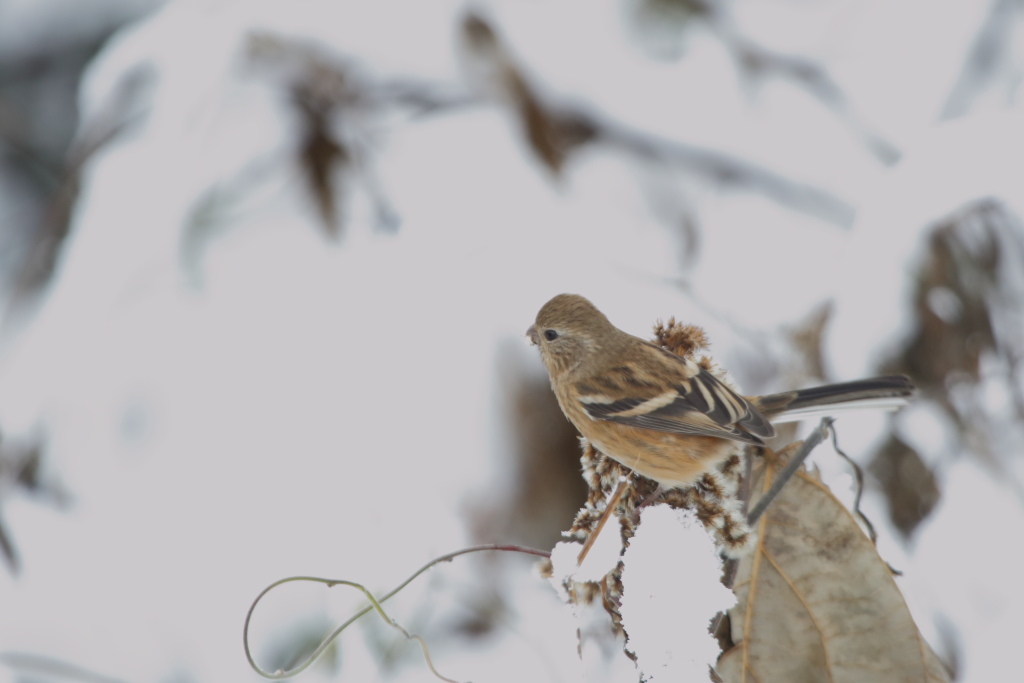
665,416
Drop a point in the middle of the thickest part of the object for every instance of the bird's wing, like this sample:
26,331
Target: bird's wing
685,398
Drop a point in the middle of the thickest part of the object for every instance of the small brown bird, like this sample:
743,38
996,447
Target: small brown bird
663,415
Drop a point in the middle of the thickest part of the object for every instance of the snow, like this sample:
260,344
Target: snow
670,593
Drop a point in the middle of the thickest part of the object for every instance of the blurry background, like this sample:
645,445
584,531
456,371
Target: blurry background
265,269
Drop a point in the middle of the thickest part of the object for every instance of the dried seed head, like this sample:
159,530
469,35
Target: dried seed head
679,338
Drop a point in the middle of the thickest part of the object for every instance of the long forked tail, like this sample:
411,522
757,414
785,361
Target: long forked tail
878,393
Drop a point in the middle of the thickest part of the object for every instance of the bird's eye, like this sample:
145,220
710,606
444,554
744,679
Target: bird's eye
550,335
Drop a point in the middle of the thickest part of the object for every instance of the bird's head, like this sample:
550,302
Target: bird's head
568,330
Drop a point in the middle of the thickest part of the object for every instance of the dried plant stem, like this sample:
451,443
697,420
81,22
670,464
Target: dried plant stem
858,475
809,444
609,510
375,605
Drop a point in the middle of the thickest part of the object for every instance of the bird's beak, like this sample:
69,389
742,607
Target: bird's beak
531,335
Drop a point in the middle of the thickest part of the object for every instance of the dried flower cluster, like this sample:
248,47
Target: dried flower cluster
714,499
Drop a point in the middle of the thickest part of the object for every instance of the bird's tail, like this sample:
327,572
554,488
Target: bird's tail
878,393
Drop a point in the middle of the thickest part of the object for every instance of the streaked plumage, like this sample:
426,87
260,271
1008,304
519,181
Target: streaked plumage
664,415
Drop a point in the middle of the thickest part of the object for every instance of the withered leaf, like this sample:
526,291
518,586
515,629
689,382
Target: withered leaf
908,482
552,133
322,156
815,602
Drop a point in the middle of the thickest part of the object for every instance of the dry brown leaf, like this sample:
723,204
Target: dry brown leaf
552,133
908,483
815,602
323,157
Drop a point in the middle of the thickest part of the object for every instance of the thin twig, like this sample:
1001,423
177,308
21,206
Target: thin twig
718,165
809,444
858,475
609,510
375,604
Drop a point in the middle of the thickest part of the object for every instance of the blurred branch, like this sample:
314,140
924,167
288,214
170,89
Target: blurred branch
53,67
727,170
424,98
8,550
555,130
335,103
991,47
758,62
761,62
51,668
124,109
21,470
43,167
